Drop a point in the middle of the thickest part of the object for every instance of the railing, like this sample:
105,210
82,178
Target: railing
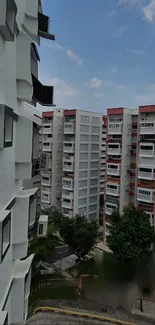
147,129
114,151
68,205
145,197
112,129
68,148
111,191
113,171
146,153
145,175
68,167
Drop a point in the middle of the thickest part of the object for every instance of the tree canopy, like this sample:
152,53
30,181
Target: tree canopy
79,234
131,235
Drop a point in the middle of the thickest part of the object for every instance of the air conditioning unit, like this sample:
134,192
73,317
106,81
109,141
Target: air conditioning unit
42,226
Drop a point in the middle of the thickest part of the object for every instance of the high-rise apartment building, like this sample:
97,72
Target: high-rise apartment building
21,24
102,167
81,163
51,158
145,161
71,157
121,141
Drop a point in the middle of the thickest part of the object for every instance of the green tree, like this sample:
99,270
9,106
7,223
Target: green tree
131,235
79,234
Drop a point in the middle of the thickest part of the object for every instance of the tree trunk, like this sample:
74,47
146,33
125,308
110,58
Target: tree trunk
141,305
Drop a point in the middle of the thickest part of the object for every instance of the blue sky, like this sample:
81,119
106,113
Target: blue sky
103,55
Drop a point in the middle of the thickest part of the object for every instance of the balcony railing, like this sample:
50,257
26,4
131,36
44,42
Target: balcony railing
68,148
68,168
146,196
145,175
69,128
147,128
112,191
67,195
68,205
47,147
115,128
67,186
146,153
46,182
113,171
114,151
47,128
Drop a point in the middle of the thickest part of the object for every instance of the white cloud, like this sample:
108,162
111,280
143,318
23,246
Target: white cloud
108,83
99,95
149,11
94,83
118,32
72,56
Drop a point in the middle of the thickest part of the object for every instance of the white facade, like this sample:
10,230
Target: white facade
19,122
81,163
51,158
120,161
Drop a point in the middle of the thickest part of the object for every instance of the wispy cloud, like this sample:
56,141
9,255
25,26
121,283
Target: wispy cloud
71,55
94,83
118,32
136,51
149,11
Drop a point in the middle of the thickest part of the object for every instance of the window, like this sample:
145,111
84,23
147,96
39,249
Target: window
114,187
146,170
8,26
84,128
143,147
113,166
6,126
5,233
113,146
40,232
83,174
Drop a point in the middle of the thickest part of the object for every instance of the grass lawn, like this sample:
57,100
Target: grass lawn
54,291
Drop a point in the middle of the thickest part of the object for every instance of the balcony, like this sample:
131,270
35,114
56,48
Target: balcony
45,197
46,180
145,195
67,195
43,27
47,146
69,128
47,128
66,203
67,184
146,173
146,150
113,169
114,149
109,208
42,94
68,166
68,147
115,128
112,189
147,127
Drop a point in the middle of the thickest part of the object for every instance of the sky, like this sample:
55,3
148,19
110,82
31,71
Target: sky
103,55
